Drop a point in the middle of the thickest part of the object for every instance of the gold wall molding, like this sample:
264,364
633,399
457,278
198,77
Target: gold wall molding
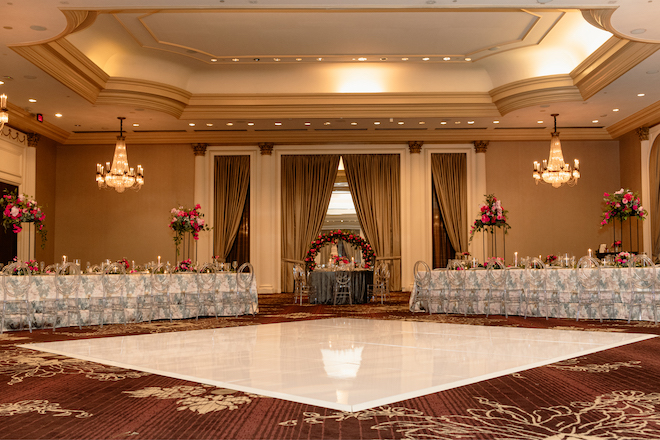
199,149
534,91
415,147
266,148
481,146
611,60
642,133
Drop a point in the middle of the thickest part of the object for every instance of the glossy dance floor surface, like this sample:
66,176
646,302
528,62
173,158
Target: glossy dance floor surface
344,364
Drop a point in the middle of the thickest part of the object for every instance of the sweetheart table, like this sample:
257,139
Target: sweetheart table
42,288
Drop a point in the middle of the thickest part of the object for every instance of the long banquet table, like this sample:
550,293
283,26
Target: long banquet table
614,284
323,282
42,288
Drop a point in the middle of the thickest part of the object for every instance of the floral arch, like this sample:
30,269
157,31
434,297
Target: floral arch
333,237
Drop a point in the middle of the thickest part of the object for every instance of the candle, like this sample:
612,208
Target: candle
63,259
515,258
577,164
159,260
590,252
3,101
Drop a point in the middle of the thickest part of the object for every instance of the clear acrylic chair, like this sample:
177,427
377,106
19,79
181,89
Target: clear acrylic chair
207,288
422,274
191,301
67,287
244,279
113,280
588,284
536,278
159,297
16,281
456,274
301,287
342,287
642,278
497,276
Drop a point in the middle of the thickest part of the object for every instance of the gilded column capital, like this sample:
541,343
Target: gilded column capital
33,139
199,149
642,133
415,147
480,146
266,148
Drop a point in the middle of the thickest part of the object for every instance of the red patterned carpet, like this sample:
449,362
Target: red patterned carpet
614,394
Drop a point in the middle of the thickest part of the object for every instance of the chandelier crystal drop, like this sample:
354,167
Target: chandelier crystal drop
4,112
555,171
119,176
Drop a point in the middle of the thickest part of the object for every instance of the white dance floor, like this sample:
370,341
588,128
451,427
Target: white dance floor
344,364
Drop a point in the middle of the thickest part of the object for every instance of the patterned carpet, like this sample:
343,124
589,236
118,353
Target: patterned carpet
614,394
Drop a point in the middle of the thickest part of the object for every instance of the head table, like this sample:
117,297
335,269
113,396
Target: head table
137,286
323,281
561,290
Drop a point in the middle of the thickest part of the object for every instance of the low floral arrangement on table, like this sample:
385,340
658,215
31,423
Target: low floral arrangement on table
187,220
462,255
622,205
333,237
551,259
622,258
20,208
616,244
184,266
494,260
124,262
491,216
32,266
337,260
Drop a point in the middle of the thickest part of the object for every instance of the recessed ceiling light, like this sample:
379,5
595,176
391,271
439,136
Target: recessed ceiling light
213,60
377,123
1,83
58,115
136,125
615,109
443,122
539,122
37,28
404,59
496,122
319,59
276,59
652,72
447,58
278,123
32,100
426,59
362,59
230,123
383,58
192,124
298,59
421,122
257,59
641,94
250,123
595,121
326,123
470,122
468,59
638,31
400,122
457,122
308,123
235,59
353,123
209,125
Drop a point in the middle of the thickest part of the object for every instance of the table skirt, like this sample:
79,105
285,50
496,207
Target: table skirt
323,282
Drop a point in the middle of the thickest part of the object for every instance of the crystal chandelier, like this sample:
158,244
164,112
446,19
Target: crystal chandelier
4,112
119,176
554,170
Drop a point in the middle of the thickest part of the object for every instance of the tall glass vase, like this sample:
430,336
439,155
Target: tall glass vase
27,228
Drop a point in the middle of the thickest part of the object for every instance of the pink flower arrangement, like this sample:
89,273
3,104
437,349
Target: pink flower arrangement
333,237
491,215
623,204
550,259
185,266
339,260
622,258
32,266
184,220
19,208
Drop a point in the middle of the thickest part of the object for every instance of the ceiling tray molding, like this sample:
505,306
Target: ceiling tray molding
28,123
535,91
647,117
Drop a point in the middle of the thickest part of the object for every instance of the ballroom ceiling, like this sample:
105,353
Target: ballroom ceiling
308,71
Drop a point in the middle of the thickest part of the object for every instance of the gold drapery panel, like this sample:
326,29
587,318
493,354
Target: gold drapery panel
374,182
450,181
232,180
307,183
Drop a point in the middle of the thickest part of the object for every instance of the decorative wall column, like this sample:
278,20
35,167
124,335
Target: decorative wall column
415,238
645,148
267,262
480,190
26,244
201,196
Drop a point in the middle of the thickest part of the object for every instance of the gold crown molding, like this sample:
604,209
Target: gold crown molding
534,91
648,117
145,94
64,62
26,122
607,63
602,18
323,137
141,86
77,20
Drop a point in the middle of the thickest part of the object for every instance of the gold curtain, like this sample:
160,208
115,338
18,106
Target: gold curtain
654,176
232,180
374,181
307,183
450,181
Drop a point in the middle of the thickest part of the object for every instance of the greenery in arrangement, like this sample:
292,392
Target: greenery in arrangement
622,258
333,237
20,208
491,216
622,205
551,259
185,266
187,220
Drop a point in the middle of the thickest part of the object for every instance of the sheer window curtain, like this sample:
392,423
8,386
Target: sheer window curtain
307,183
450,182
374,182
232,180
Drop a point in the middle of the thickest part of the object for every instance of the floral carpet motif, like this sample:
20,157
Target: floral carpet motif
613,394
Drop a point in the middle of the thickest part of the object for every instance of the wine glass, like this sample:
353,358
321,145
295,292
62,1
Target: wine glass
234,264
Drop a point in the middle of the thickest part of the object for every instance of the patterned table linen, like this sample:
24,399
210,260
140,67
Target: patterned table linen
137,285
615,289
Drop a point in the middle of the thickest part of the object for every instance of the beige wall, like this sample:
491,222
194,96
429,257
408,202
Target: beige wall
544,219
45,194
93,225
630,158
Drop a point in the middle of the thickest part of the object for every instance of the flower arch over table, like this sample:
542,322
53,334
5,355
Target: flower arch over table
333,237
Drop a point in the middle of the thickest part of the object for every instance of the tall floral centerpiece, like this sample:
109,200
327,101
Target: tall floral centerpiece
623,205
187,221
333,237
20,208
491,217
